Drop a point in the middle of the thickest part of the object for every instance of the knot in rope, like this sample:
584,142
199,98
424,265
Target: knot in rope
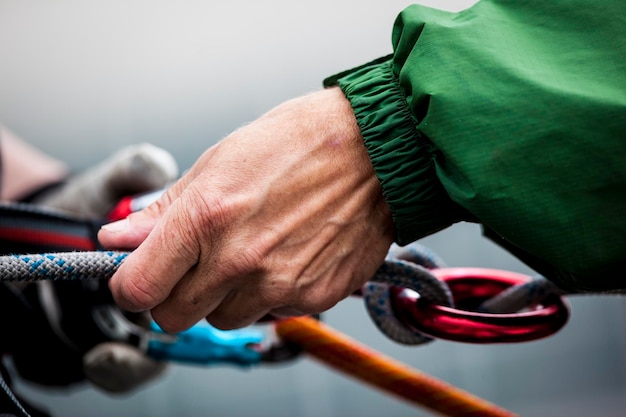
406,267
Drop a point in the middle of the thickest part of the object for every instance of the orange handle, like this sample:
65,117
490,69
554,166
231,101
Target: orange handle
343,353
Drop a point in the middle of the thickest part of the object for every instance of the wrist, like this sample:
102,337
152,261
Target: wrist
402,156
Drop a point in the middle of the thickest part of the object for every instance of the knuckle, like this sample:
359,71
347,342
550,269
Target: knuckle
138,292
316,301
170,322
212,213
228,322
223,324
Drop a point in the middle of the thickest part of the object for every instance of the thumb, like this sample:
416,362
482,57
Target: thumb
127,233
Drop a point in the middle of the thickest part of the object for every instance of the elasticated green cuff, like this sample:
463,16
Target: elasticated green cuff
400,154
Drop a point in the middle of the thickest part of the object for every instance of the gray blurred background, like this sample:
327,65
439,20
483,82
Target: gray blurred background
81,78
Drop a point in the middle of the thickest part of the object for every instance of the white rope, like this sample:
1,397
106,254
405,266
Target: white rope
61,266
399,269
405,267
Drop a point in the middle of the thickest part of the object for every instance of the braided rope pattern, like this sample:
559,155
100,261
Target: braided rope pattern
404,267
518,297
60,266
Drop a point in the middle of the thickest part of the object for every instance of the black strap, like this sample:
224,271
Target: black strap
27,228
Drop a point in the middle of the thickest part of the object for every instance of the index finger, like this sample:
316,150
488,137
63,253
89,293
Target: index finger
150,272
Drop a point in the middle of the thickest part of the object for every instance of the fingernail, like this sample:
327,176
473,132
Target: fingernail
116,227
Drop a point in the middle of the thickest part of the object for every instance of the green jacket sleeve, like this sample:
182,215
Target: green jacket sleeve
512,114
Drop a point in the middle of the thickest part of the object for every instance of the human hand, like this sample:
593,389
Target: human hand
284,216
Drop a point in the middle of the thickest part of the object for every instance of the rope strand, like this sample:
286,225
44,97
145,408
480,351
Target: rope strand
61,266
350,357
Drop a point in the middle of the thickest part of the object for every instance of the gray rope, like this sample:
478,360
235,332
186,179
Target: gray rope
401,269
60,266
518,297
404,267
531,293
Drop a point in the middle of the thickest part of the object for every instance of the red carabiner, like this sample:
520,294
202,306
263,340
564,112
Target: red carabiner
469,287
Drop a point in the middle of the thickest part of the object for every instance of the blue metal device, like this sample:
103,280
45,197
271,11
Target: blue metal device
205,344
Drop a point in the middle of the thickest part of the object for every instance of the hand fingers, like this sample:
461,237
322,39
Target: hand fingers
169,240
243,306
255,295
127,233
190,301
237,311
210,285
175,271
130,232
169,251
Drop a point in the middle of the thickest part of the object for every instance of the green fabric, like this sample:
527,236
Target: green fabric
400,154
514,111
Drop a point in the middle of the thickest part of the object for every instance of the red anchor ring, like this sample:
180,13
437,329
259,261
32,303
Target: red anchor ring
469,287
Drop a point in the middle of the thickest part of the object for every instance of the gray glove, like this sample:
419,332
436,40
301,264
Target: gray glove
113,366
132,170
